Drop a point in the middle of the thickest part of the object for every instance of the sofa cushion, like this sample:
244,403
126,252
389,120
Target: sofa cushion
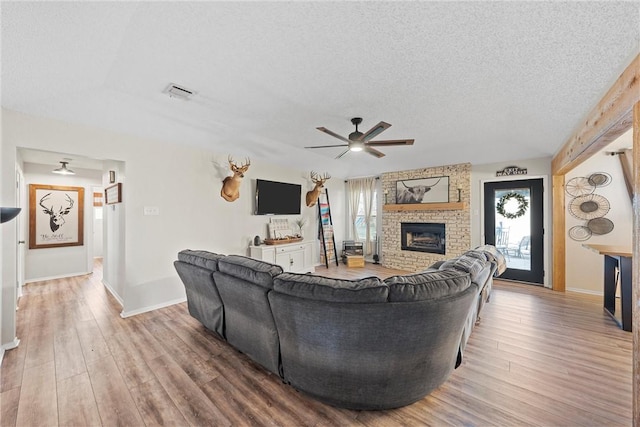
476,254
249,269
494,256
368,290
203,259
467,263
427,285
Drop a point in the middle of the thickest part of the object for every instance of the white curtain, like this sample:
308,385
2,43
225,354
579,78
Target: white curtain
365,188
368,194
354,189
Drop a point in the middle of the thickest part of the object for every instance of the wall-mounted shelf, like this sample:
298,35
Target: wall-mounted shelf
424,207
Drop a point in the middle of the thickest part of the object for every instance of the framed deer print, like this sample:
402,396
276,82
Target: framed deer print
56,216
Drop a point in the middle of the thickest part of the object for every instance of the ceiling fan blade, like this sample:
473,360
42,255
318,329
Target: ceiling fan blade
333,134
329,146
390,142
373,151
376,130
343,153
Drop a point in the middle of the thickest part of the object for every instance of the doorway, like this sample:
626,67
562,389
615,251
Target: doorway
513,223
20,233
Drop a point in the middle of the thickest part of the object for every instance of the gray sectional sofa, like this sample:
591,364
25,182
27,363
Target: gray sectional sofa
358,344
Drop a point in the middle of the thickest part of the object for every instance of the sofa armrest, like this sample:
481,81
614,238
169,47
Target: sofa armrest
436,265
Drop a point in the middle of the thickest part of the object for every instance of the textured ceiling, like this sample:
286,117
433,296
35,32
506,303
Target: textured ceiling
471,82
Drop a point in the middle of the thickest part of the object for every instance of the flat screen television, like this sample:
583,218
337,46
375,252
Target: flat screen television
277,198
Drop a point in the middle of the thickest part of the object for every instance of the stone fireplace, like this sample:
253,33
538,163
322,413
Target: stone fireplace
423,237
455,217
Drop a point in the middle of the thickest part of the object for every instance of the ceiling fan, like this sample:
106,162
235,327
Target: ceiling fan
359,141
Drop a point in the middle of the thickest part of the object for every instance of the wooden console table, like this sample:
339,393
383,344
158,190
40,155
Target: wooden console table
616,257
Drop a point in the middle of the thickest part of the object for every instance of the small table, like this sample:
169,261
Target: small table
355,261
616,257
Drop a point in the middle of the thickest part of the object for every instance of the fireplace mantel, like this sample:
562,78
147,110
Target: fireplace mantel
424,207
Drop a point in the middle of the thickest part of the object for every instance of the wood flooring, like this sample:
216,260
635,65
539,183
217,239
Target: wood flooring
538,358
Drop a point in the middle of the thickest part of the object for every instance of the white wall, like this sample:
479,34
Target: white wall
4,335
114,234
180,180
536,168
584,268
48,263
8,239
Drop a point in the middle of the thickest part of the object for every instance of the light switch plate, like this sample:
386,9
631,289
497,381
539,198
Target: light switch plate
151,210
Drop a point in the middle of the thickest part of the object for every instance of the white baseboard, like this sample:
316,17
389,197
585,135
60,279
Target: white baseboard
62,276
585,291
8,346
126,314
112,292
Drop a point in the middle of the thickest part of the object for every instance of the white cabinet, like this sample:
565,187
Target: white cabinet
292,257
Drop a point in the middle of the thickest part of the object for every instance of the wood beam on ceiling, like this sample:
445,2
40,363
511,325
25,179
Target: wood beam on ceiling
626,162
611,117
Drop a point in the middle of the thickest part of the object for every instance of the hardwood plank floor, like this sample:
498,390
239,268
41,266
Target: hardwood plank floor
76,403
538,357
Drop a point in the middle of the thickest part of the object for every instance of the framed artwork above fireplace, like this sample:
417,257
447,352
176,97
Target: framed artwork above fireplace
423,190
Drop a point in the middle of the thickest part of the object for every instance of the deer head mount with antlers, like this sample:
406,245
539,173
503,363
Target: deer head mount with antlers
231,184
312,196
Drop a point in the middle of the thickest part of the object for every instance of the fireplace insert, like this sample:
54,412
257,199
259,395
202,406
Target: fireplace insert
423,237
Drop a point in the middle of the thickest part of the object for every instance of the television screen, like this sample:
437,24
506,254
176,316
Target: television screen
277,198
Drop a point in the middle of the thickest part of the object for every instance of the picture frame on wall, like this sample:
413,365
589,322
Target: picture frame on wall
113,194
56,216
423,190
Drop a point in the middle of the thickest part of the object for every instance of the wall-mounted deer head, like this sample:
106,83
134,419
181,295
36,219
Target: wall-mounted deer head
231,184
56,219
312,196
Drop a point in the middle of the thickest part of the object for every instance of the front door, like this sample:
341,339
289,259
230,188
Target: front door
513,222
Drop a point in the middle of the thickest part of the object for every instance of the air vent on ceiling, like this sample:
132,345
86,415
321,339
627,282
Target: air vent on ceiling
175,91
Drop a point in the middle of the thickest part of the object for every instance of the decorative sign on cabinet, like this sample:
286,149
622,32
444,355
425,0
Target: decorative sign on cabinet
293,257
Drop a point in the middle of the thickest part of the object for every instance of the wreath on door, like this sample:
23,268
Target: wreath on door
523,204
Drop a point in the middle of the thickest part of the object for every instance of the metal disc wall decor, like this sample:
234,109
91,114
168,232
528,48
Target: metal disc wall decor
579,186
600,226
589,206
579,233
599,179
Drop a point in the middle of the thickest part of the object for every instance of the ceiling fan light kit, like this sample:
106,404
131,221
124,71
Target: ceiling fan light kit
356,146
359,141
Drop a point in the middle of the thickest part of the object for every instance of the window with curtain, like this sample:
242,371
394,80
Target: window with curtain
362,211
362,223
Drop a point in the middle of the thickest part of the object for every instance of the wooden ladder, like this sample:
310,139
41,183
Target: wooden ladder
325,230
